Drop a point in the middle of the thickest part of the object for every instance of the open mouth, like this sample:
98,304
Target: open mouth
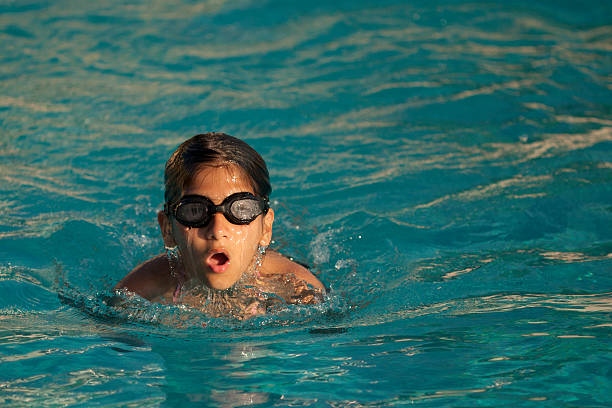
217,261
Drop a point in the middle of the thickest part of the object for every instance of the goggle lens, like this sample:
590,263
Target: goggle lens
245,209
191,212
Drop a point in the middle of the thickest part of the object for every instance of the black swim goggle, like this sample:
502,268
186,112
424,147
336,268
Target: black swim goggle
196,211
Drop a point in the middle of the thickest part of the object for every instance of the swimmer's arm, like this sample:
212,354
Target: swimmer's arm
149,280
275,262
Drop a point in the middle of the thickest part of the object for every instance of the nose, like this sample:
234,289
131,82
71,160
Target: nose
218,227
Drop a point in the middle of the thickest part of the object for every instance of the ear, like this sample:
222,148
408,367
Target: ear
268,220
165,225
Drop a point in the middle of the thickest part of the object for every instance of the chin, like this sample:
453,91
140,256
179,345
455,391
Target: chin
219,283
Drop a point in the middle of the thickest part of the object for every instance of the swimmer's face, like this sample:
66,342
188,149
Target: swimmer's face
219,253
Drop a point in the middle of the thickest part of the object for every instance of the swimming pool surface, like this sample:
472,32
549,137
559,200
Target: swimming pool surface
445,167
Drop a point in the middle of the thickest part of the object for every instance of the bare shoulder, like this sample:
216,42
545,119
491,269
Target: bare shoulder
150,279
277,264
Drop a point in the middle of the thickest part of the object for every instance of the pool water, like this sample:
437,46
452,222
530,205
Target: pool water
445,167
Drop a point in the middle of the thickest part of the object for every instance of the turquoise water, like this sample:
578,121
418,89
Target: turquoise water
445,168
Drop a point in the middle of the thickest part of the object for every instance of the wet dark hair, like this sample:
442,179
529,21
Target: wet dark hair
213,149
